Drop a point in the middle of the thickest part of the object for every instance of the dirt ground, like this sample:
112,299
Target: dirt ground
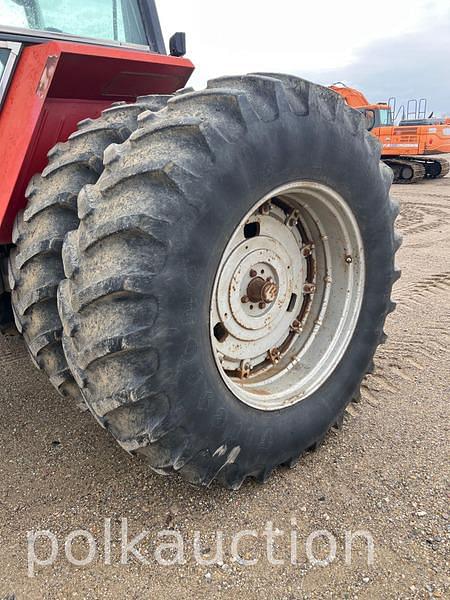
384,473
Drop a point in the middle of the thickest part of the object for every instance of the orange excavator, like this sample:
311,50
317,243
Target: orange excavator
406,148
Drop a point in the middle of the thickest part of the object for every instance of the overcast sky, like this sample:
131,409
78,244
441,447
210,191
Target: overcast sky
396,48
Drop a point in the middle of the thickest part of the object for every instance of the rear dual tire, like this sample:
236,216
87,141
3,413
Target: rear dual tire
141,271
35,263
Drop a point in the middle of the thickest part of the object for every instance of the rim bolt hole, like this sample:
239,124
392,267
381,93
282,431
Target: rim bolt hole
220,332
292,302
251,230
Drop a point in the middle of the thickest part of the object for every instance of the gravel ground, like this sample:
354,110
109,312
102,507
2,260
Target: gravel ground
384,473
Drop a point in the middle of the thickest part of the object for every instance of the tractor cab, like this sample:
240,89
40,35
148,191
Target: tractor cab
62,62
114,21
126,23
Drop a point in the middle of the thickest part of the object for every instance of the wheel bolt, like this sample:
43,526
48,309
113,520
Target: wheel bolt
244,299
274,355
253,273
245,369
296,326
309,288
262,305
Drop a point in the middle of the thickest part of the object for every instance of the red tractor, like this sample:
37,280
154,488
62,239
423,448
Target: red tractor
208,271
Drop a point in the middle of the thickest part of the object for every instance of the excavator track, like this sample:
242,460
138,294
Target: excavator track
436,167
411,169
406,170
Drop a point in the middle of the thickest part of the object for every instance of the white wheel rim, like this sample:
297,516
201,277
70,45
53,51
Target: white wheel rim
287,295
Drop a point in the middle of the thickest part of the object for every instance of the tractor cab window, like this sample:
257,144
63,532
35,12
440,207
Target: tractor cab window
118,20
9,52
12,14
4,56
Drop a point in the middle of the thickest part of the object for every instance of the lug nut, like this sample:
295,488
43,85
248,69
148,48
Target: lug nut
245,369
244,299
307,249
296,326
309,288
348,259
253,273
274,355
262,305
292,218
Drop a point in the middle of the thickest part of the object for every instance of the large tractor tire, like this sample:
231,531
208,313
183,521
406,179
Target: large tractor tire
229,281
35,263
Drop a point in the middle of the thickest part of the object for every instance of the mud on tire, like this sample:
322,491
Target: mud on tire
141,269
35,264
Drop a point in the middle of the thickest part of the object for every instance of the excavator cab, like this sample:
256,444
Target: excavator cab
377,116
383,116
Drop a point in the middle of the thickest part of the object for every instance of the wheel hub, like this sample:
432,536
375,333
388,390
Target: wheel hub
263,291
287,293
